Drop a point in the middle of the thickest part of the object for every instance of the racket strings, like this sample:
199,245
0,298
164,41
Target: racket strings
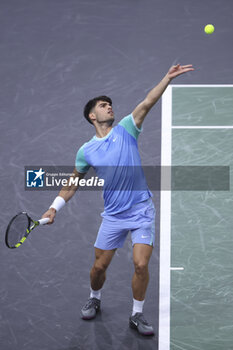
18,229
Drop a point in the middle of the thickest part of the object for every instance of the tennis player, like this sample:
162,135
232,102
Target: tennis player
125,209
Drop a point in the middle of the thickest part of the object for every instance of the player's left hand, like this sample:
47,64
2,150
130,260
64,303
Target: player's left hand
177,70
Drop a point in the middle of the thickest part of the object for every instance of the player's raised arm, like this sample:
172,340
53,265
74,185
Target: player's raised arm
64,196
153,96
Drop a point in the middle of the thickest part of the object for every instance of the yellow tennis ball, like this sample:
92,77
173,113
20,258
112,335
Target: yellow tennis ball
209,28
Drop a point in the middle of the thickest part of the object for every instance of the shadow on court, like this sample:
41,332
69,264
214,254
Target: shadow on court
102,338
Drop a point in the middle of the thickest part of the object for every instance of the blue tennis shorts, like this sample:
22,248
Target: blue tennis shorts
139,220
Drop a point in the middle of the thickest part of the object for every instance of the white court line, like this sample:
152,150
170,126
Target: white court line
200,85
176,268
165,224
202,127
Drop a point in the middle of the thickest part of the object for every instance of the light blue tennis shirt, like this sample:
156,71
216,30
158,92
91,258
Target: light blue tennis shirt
115,158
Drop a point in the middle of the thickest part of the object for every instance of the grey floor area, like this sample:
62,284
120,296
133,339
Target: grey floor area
55,55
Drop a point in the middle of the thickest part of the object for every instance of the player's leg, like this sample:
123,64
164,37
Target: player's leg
141,257
98,271
109,238
97,279
143,239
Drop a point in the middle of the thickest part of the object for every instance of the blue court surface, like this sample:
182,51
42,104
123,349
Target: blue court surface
55,56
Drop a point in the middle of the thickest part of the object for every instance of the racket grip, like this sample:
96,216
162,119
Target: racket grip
43,221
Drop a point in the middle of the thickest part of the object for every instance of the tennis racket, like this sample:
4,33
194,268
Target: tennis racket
19,228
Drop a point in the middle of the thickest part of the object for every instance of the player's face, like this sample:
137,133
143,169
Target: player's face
103,112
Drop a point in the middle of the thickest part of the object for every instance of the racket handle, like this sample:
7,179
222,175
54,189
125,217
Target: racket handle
43,221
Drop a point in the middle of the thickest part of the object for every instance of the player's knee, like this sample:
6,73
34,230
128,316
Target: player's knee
141,268
99,268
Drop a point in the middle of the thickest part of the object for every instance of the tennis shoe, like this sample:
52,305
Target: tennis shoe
139,323
90,309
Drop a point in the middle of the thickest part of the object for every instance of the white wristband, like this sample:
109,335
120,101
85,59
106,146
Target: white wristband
58,203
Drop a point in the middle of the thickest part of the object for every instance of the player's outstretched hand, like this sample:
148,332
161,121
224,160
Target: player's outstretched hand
177,70
51,213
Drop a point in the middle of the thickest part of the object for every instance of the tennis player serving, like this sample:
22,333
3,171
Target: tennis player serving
126,210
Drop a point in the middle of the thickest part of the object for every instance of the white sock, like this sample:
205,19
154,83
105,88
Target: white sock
137,306
95,293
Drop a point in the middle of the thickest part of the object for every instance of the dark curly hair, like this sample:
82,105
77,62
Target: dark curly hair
92,103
